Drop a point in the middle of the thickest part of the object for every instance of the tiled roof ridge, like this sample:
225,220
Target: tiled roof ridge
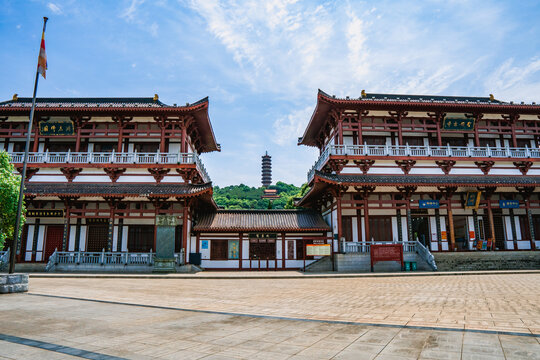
96,100
423,98
247,211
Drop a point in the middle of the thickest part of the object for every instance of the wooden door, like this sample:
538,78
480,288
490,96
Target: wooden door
53,240
346,228
498,224
97,238
380,228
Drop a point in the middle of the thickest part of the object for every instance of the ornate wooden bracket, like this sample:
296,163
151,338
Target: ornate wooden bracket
114,173
407,191
364,165
338,190
68,200
190,175
113,201
523,166
363,192
158,173
29,172
159,202
447,191
445,165
525,191
70,173
335,165
485,166
487,192
405,165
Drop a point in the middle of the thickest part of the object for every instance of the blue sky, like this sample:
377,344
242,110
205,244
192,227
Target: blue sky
261,62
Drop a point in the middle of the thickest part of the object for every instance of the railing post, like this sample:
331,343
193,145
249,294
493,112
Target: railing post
527,152
78,258
102,257
507,150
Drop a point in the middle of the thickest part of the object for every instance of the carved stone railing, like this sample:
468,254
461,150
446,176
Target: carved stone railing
423,151
4,259
363,247
104,158
105,259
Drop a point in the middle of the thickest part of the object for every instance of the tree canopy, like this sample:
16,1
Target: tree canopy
9,197
245,197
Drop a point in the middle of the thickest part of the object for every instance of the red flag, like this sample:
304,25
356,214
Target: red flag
42,60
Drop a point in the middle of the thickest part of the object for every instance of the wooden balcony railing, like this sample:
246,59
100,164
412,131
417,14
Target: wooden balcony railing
423,151
123,158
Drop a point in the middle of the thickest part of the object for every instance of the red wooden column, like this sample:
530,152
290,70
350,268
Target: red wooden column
36,137
240,241
185,230
340,130
183,147
283,250
120,136
338,201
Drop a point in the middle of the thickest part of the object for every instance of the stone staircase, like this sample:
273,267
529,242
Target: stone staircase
354,263
488,260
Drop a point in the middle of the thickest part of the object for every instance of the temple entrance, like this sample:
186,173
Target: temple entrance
420,230
53,240
262,249
97,237
461,233
498,224
141,238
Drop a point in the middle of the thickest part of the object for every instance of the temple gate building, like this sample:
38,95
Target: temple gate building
101,171
454,173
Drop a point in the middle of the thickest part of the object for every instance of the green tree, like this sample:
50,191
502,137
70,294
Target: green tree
9,197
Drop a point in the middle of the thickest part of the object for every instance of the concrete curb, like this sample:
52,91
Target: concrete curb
295,275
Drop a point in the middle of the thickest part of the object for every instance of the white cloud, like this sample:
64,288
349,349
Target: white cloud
130,12
513,82
288,128
54,8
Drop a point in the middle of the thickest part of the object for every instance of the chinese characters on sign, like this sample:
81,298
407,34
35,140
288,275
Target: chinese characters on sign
262,236
45,213
318,250
428,204
54,128
473,200
233,249
509,204
458,124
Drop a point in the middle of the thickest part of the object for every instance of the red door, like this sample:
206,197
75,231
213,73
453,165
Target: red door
53,240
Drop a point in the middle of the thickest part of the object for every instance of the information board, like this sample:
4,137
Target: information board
318,250
386,252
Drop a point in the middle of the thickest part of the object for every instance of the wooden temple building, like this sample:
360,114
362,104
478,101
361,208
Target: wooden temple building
455,173
100,170
119,182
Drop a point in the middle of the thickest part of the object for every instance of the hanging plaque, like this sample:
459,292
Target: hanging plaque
509,204
428,204
56,127
458,124
45,213
473,200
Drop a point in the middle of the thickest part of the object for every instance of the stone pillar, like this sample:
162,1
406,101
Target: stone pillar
399,228
438,225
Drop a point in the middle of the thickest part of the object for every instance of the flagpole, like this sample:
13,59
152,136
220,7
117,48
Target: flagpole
23,173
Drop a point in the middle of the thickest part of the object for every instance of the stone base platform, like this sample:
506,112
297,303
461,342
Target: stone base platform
13,283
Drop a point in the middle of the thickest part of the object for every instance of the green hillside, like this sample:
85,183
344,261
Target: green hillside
245,197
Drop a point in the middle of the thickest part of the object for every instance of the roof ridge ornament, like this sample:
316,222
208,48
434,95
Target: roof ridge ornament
15,97
156,97
363,93
491,97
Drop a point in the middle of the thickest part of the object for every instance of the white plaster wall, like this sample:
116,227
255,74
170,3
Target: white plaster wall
82,241
355,229
508,228
470,223
518,228
71,242
115,238
29,243
124,238
278,250
524,245
41,240
394,228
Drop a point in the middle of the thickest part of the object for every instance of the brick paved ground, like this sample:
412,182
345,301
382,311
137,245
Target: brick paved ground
75,328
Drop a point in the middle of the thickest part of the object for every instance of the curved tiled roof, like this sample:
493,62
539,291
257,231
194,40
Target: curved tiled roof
261,220
434,180
141,102
116,189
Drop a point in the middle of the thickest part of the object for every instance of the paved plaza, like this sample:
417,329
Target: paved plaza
428,317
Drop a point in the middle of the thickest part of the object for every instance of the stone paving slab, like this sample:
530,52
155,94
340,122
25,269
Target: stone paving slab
507,303
97,330
275,274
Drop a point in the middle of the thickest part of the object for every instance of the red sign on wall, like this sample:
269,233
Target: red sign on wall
387,252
